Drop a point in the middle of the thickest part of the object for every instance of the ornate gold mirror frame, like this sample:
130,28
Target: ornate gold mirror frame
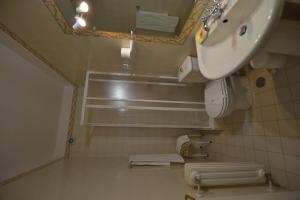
189,25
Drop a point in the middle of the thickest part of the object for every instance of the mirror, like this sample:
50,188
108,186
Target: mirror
168,21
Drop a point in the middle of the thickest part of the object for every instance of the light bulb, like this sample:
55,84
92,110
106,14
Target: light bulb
83,7
122,109
80,22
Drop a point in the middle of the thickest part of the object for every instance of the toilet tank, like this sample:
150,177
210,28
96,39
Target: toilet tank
189,71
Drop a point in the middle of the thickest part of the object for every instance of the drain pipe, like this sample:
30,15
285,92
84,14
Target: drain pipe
200,193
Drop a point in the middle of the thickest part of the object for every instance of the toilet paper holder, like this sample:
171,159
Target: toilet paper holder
186,146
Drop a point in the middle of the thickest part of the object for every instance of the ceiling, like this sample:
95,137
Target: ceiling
73,54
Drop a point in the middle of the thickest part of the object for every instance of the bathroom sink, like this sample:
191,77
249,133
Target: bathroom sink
233,39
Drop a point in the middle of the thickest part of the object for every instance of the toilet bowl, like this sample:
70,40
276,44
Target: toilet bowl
225,95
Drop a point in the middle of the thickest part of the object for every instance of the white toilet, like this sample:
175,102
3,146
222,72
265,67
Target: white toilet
225,95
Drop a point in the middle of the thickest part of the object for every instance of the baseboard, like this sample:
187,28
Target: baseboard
14,178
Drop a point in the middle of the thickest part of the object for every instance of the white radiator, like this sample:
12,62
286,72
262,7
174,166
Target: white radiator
156,21
219,174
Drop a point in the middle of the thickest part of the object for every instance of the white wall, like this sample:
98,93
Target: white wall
34,113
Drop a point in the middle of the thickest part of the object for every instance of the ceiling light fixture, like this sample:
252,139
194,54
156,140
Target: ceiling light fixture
122,109
80,22
83,7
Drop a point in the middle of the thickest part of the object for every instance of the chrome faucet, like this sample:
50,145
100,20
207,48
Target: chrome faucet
214,11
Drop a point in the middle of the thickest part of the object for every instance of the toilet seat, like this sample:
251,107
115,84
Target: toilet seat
227,100
218,99
214,98
225,97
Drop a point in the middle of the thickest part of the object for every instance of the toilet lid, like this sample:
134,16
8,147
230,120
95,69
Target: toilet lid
216,98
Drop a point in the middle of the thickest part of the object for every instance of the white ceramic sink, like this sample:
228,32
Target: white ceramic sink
225,50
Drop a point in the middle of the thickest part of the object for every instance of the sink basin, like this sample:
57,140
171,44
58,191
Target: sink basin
233,39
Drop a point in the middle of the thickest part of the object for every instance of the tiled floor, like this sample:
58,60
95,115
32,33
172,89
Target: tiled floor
269,132
109,179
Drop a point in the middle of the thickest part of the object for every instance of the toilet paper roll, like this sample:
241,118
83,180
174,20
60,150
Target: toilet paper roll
125,52
183,145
